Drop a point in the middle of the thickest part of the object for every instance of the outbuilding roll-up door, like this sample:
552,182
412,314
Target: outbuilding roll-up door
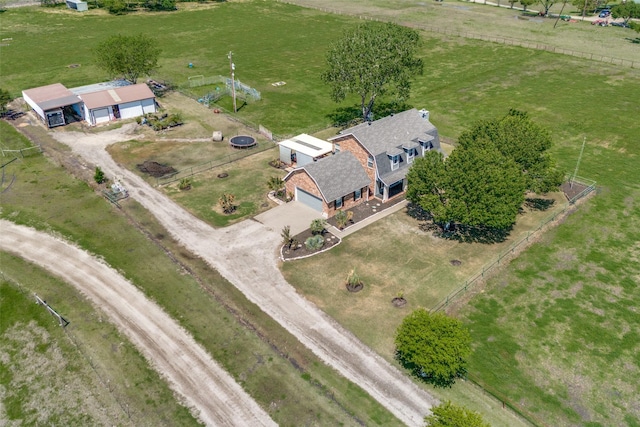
309,199
101,115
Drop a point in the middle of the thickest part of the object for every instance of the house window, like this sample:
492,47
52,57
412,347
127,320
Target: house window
339,203
336,147
395,162
357,194
370,162
410,155
426,146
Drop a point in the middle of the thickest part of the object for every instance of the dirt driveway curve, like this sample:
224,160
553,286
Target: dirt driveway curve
245,254
208,390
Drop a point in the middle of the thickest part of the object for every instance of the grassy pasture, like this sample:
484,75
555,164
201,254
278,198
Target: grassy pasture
465,80
274,368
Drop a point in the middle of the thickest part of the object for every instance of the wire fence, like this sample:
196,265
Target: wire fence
23,152
589,186
212,164
484,37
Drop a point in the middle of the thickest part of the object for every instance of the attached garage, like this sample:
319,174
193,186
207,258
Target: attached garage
308,199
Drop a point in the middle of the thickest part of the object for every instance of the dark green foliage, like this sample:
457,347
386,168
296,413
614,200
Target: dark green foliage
127,56
161,122
5,98
426,180
370,60
160,5
318,226
450,415
517,137
526,3
484,189
314,243
626,10
434,347
99,176
116,7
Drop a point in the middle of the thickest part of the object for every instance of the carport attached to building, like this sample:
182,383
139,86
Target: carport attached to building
54,104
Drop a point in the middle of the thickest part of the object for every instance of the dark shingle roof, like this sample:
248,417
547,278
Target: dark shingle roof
337,175
393,131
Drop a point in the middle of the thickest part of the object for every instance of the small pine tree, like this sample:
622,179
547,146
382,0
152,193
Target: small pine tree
99,175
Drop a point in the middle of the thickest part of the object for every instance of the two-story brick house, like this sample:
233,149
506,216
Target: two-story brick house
372,160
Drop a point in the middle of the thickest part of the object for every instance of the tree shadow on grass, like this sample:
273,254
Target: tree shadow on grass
538,204
459,232
345,117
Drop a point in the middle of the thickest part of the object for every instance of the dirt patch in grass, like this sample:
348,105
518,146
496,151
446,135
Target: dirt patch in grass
155,169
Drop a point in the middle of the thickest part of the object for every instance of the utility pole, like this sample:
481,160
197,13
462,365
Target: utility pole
578,164
233,82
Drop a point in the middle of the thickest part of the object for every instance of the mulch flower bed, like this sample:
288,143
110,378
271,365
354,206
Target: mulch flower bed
366,209
301,250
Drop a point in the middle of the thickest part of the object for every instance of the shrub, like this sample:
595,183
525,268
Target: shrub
99,175
226,203
341,219
287,239
185,184
314,243
318,226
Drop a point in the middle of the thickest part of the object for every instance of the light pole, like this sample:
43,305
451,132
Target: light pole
233,82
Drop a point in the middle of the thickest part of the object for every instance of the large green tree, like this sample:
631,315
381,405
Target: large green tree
476,187
434,347
128,56
546,4
372,60
526,3
626,10
450,415
519,138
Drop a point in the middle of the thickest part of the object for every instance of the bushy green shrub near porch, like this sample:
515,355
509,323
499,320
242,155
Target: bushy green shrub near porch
314,243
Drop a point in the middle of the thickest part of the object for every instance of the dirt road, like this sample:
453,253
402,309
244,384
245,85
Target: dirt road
211,393
245,254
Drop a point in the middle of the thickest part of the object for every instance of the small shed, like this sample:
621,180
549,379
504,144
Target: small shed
78,5
121,102
51,103
303,149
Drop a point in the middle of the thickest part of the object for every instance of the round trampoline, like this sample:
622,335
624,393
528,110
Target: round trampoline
242,141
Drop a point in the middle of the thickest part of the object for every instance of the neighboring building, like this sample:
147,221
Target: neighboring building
80,6
122,102
383,151
53,103
100,103
303,149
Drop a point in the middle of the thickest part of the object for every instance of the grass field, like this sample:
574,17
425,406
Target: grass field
274,368
547,344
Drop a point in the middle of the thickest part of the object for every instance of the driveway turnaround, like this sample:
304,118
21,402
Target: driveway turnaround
245,254
208,390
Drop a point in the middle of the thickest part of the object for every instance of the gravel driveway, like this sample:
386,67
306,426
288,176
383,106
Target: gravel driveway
208,390
245,254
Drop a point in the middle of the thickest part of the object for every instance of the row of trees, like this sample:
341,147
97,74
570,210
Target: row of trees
481,186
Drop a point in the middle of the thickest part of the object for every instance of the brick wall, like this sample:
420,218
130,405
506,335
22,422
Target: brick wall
301,179
349,143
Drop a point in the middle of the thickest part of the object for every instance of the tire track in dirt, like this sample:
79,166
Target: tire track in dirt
210,392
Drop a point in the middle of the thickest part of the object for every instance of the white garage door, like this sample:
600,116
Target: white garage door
101,115
309,199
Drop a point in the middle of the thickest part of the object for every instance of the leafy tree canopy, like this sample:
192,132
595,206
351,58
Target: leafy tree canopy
546,4
433,346
370,60
526,3
517,137
626,10
450,415
128,56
